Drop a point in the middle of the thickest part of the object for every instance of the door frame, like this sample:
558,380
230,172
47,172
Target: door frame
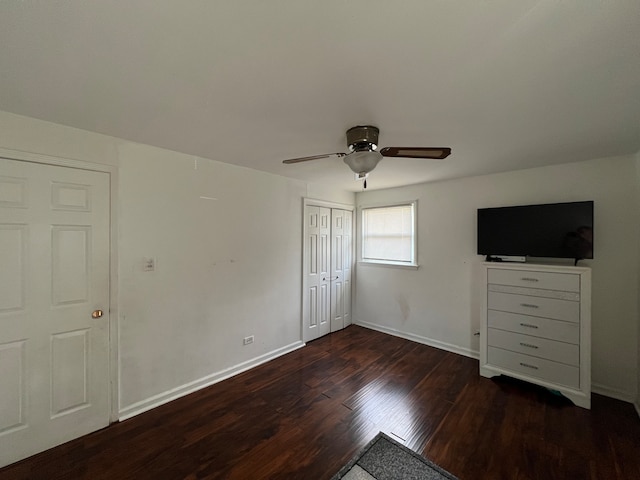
112,171
312,202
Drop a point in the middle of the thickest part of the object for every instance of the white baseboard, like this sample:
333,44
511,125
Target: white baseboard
612,392
165,397
424,340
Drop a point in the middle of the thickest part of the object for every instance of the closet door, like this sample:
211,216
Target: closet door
327,267
316,273
341,262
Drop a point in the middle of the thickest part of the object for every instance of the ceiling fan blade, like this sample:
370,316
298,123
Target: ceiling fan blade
437,153
313,157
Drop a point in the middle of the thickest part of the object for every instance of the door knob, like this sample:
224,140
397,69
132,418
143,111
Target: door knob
96,314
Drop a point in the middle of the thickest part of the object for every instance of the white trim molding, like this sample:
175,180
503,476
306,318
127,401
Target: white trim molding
612,393
323,203
175,393
53,160
466,352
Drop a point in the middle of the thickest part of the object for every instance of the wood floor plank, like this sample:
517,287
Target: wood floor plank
432,399
304,415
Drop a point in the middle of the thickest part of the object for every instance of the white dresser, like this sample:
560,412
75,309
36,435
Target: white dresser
536,326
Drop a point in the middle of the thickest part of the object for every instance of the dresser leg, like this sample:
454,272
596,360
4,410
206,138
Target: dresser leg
583,401
485,372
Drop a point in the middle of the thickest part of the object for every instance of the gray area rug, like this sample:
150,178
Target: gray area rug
385,459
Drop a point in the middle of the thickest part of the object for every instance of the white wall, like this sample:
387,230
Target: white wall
323,192
440,303
225,268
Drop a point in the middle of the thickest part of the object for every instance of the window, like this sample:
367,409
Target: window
389,234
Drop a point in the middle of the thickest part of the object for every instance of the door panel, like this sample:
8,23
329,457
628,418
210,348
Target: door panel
347,265
69,371
12,259
12,191
54,357
316,281
337,278
70,258
12,393
337,302
341,245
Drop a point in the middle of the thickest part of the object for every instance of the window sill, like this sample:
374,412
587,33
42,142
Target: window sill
410,266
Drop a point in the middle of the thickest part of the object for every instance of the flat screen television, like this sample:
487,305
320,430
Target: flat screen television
554,230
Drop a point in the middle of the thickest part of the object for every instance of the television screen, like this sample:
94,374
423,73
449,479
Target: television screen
557,230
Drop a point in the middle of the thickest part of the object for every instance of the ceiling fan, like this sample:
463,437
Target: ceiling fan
363,153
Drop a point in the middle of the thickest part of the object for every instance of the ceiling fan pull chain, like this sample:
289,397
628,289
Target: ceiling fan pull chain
365,183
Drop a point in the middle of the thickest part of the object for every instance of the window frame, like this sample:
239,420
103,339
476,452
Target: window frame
413,264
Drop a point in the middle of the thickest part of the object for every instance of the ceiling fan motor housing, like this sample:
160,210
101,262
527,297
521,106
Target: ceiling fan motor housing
363,138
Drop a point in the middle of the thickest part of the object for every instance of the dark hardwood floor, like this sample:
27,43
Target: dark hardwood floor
304,415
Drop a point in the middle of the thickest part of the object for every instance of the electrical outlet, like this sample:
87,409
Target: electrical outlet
247,340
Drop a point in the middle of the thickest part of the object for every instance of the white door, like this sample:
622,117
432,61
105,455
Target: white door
54,257
327,264
341,238
316,272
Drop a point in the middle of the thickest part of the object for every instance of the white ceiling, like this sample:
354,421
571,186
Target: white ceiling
507,84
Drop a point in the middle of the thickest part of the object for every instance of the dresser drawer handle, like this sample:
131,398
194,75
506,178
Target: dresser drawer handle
529,305
528,325
529,279
528,345
529,366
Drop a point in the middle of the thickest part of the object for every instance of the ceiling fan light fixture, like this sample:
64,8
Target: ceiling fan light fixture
364,156
362,162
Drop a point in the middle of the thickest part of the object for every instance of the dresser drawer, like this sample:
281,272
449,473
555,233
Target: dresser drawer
566,310
552,372
545,280
568,332
535,346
